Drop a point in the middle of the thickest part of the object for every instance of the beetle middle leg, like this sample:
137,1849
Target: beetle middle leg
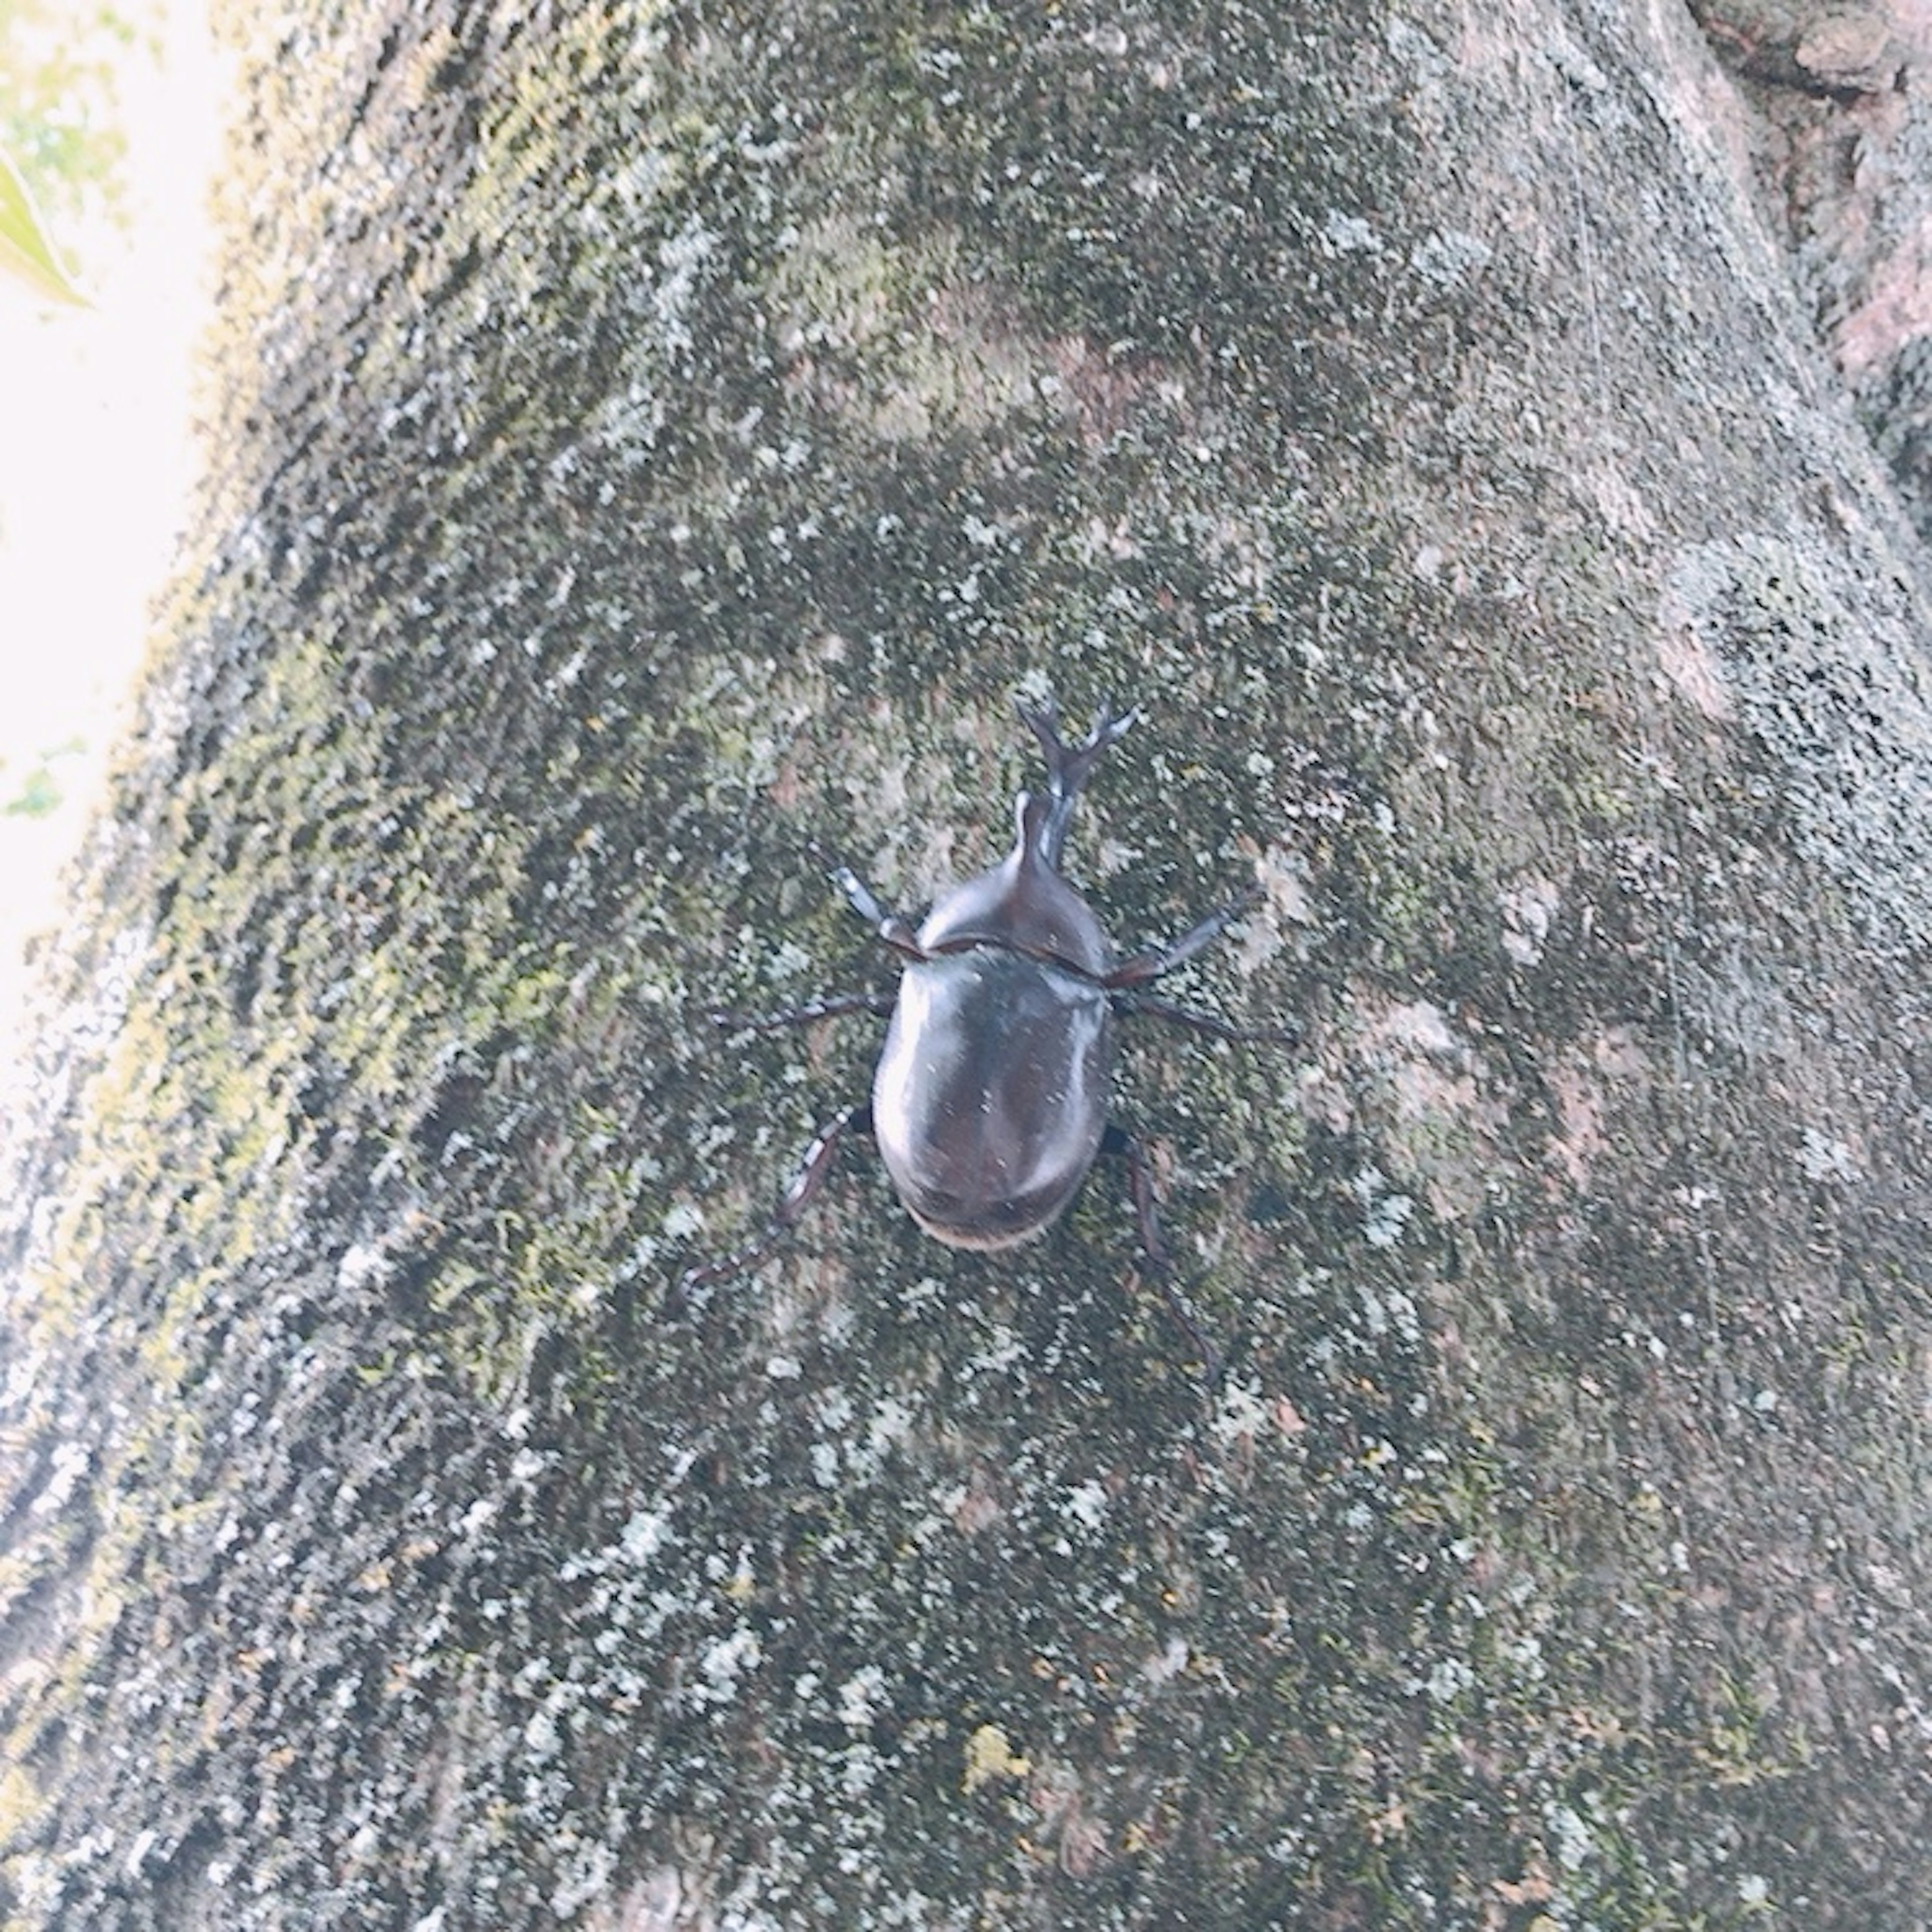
813,1166
1200,1022
1121,1145
828,1006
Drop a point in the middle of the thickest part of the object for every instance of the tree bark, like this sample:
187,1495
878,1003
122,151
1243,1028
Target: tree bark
648,437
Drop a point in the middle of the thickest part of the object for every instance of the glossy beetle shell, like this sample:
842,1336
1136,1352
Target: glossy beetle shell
990,1099
990,1095
1022,904
989,1103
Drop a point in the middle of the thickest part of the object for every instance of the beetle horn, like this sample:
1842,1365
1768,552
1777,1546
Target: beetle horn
1067,766
1040,827
1044,827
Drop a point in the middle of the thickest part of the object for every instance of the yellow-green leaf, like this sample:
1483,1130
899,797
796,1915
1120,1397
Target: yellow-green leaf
24,246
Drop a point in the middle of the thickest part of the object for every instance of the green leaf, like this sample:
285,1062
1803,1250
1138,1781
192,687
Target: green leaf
24,246
40,791
38,796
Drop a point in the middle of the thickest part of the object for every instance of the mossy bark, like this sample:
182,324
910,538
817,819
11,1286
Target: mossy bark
648,437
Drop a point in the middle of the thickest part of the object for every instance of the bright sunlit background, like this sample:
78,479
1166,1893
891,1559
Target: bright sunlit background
111,110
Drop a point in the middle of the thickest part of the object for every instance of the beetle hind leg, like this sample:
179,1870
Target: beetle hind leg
813,1166
1117,1142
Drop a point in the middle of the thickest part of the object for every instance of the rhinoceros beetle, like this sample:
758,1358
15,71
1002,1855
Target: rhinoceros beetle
989,1103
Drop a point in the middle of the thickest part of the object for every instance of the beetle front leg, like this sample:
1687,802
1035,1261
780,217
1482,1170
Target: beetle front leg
894,929
1125,981
813,1167
1148,967
1145,968
1117,1142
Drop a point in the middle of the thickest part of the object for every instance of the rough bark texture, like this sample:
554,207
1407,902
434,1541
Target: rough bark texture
649,436
1842,155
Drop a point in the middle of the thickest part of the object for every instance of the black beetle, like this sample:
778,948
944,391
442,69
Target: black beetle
989,1103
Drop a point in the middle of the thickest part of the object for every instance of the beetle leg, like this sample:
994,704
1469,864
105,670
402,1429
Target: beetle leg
1118,1141
1144,967
893,928
813,1167
1189,1016
829,1007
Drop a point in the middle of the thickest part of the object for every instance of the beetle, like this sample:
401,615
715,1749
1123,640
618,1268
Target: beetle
989,1102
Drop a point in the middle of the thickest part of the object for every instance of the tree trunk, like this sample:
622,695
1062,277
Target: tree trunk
650,437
